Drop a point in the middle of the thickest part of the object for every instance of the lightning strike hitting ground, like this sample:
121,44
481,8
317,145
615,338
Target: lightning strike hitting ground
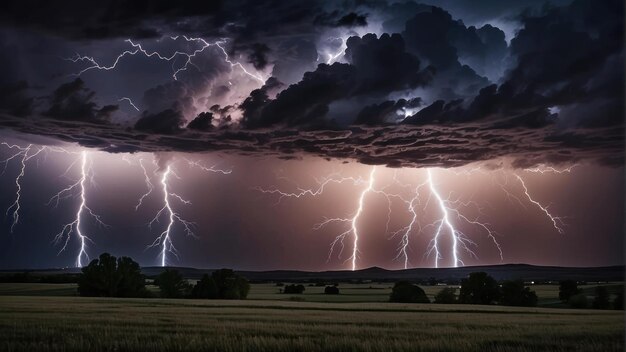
83,209
164,240
459,240
556,220
138,49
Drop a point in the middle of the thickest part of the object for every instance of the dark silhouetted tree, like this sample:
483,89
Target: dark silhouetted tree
513,293
602,298
406,292
331,290
479,288
294,289
230,285
172,284
111,277
446,296
567,289
205,288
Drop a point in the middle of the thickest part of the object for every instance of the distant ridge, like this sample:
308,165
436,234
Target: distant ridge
524,272
500,272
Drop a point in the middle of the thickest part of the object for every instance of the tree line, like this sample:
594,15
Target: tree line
480,288
109,276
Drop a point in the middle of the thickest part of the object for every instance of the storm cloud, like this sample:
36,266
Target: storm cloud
428,90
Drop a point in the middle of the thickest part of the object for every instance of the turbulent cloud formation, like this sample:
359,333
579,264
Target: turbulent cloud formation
382,83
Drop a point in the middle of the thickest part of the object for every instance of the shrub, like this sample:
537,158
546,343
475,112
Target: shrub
405,292
205,288
331,290
294,289
446,296
230,285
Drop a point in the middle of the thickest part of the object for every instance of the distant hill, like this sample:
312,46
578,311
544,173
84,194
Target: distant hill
500,272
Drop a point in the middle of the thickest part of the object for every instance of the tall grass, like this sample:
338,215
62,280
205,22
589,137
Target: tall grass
100,324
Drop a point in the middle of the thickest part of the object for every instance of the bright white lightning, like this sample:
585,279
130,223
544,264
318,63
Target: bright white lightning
164,240
444,221
83,209
15,207
129,102
353,221
555,219
138,49
148,184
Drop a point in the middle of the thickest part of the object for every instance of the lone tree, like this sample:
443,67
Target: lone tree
567,289
446,296
108,276
173,284
515,294
406,292
479,288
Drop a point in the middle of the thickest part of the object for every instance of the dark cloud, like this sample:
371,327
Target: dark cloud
165,122
15,99
337,19
202,122
74,101
560,99
377,67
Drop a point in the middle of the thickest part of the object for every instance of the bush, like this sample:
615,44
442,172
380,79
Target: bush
405,292
446,296
567,289
172,284
111,277
578,301
294,289
479,288
513,293
331,290
601,300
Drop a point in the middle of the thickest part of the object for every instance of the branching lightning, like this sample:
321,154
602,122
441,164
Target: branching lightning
164,239
187,57
83,209
557,221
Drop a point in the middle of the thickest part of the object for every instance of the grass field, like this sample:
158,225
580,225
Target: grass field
98,324
36,316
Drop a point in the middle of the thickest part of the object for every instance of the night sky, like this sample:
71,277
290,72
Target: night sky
313,135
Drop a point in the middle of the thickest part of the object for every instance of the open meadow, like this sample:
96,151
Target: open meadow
261,323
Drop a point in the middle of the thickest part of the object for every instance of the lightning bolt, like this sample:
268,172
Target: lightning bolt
129,102
555,219
83,209
164,240
459,239
138,49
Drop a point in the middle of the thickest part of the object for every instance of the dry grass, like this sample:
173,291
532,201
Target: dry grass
93,324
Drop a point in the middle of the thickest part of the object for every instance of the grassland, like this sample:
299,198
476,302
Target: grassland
48,317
